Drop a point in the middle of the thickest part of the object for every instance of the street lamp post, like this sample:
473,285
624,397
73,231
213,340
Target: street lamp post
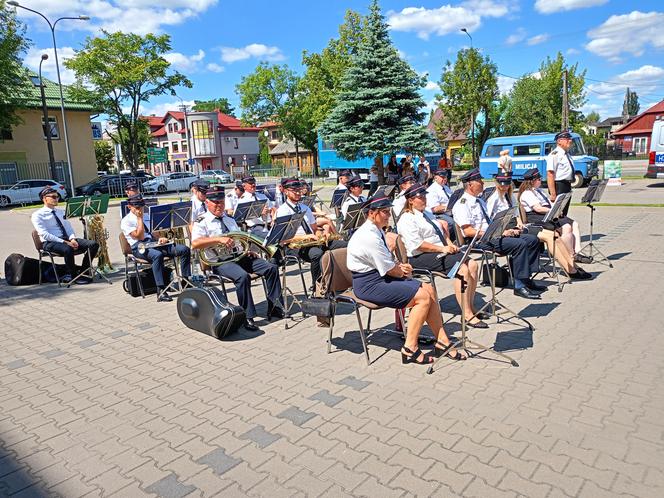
183,107
52,25
46,125
472,111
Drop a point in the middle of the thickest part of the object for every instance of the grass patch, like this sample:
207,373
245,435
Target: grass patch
620,204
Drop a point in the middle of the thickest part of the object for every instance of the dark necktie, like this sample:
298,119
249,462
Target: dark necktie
436,228
222,224
571,165
484,213
63,231
204,207
382,238
447,191
545,201
508,198
296,209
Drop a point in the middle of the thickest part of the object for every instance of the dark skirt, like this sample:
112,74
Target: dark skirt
536,219
390,292
435,261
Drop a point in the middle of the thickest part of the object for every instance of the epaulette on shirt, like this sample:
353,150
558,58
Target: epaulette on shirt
463,200
200,218
554,151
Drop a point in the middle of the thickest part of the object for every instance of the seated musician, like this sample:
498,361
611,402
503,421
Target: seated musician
438,196
209,230
259,225
502,198
315,228
58,236
355,186
536,204
343,178
472,215
404,183
131,188
135,231
379,279
430,247
198,190
232,198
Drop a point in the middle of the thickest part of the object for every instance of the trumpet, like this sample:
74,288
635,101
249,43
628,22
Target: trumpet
144,246
219,254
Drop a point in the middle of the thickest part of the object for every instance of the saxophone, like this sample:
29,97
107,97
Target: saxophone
99,234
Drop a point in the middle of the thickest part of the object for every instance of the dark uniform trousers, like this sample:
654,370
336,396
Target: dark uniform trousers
451,225
239,272
314,254
156,255
524,251
563,187
68,252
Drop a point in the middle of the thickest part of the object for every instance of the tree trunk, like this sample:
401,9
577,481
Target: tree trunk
381,169
315,166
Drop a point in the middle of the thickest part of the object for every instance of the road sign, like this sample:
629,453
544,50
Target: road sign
191,162
157,155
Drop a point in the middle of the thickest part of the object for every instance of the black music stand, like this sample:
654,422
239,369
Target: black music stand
308,200
465,344
149,201
269,191
338,197
556,211
386,191
593,195
355,216
495,231
248,211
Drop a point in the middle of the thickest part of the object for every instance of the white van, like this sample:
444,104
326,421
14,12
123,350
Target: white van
656,157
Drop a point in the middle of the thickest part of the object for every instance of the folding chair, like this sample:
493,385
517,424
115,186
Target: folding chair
42,253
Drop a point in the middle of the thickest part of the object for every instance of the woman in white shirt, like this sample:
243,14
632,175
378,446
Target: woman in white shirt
379,279
429,247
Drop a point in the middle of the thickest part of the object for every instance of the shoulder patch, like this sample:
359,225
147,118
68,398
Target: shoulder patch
554,151
199,218
463,200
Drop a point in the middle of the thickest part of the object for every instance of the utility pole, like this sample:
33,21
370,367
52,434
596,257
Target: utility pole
565,120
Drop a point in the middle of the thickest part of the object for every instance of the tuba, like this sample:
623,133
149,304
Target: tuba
219,254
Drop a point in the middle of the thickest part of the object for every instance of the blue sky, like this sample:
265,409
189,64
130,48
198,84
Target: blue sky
216,42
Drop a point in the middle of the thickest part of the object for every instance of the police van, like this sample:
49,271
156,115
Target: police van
656,156
530,151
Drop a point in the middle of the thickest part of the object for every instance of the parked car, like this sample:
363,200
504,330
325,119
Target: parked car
27,192
215,176
656,156
110,184
170,182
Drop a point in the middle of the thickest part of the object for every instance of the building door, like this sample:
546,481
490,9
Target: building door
207,163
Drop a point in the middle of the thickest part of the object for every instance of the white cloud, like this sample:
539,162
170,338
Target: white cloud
505,84
447,18
644,80
33,57
254,50
551,6
629,33
136,16
518,36
431,85
572,51
536,40
215,68
148,109
186,63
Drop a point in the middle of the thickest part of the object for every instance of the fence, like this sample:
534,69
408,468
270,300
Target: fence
614,153
14,172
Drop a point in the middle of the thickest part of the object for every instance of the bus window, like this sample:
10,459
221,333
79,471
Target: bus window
494,150
549,147
527,150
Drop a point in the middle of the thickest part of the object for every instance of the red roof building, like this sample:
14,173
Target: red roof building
635,135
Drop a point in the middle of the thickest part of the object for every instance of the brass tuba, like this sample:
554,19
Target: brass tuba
219,254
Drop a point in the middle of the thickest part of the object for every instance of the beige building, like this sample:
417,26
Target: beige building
23,149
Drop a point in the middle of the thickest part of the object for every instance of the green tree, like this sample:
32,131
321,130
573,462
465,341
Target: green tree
592,117
378,110
264,156
222,104
468,88
536,101
13,45
631,104
120,71
103,154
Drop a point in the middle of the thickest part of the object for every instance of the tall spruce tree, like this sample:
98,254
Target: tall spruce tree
379,108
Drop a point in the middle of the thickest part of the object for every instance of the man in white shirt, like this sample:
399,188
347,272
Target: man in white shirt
404,183
134,229
344,175
438,195
209,230
257,226
58,236
560,167
198,190
232,198
355,186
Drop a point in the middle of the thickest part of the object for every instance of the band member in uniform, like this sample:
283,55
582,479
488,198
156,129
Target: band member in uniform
560,167
429,246
404,183
502,198
58,236
343,178
355,186
438,195
293,189
471,214
135,231
379,279
209,230
198,190
131,188
232,197
536,204
257,226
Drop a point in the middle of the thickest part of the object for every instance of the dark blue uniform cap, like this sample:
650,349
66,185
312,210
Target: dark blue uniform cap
473,174
249,179
404,179
355,181
441,172
414,190
563,134
201,185
532,174
131,186
504,178
378,203
216,193
345,172
136,200
47,191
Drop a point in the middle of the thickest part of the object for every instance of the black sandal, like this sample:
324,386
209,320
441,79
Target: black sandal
414,355
445,351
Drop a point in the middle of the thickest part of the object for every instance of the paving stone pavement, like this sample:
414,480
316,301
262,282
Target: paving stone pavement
106,395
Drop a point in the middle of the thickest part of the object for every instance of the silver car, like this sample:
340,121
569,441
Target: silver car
170,182
27,192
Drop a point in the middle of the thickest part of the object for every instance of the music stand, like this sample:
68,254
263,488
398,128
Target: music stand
149,201
169,217
593,195
386,191
338,197
248,211
495,231
308,200
465,344
80,207
269,191
556,211
355,216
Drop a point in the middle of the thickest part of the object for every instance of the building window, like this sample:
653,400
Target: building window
202,131
184,146
275,135
6,134
175,126
175,147
526,150
170,127
53,126
639,146
236,143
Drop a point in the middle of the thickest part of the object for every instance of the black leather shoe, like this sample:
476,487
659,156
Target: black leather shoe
580,275
483,316
165,298
526,294
83,280
274,312
66,279
478,325
533,287
250,325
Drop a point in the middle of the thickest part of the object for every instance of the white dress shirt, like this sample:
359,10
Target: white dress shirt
247,197
211,226
367,251
497,203
197,208
414,229
468,211
561,163
47,227
350,200
399,203
129,224
286,209
530,198
436,195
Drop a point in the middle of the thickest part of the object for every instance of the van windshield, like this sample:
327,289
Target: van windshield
577,148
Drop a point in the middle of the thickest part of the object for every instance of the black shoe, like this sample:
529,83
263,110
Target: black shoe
274,312
533,287
250,325
83,280
164,298
483,316
66,279
478,325
526,294
580,275
582,258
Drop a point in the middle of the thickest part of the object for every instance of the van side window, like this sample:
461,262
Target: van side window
527,150
549,147
494,150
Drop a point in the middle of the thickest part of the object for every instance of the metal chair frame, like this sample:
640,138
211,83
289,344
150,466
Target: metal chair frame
39,246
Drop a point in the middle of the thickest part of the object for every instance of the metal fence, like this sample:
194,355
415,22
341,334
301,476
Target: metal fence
14,172
614,153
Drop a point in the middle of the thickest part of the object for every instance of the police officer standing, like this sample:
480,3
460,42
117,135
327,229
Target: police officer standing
560,167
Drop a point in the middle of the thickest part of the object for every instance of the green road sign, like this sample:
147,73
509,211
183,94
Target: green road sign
157,155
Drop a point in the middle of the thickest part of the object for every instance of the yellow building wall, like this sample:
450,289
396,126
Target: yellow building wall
28,143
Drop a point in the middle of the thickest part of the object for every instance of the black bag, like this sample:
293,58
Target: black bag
208,311
147,280
21,270
502,274
317,306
